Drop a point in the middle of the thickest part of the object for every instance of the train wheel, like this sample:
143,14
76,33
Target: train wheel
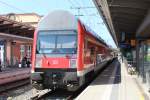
37,86
72,88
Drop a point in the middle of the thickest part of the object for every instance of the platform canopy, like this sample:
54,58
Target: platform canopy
123,16
11,27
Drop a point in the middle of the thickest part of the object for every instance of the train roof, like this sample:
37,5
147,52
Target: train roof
58,20
64,20
95,35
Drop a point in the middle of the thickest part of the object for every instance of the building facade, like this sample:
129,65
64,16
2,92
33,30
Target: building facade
13,48
26,18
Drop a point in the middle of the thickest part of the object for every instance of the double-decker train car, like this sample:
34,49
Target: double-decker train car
66,53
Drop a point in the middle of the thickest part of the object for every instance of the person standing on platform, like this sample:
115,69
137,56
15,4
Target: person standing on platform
24,61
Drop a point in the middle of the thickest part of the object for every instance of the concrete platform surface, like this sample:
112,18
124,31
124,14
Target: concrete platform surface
113,83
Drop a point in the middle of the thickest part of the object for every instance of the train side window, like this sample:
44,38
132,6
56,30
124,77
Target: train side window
92,50
85,44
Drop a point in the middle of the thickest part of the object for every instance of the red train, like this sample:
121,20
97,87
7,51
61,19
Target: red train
66,53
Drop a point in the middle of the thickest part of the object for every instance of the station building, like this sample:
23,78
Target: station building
16,35
25,18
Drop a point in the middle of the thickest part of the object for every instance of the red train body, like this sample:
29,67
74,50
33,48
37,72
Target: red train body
66,53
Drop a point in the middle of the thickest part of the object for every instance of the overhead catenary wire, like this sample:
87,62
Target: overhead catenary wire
71,3
79,7
74,6
88,9
87,13
11,6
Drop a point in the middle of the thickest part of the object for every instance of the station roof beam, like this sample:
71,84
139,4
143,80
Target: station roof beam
11,27
123,15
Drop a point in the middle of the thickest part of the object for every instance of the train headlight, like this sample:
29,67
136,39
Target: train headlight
38,63
73,63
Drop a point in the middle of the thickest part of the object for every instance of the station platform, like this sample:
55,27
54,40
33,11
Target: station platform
114,83
13,74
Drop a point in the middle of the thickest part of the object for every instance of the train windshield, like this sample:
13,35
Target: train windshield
57,42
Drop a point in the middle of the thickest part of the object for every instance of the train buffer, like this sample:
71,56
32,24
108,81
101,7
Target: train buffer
114,83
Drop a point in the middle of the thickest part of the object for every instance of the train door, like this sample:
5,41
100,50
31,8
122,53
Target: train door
2,54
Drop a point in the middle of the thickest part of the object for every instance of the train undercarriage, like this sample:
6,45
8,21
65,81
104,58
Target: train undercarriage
56,78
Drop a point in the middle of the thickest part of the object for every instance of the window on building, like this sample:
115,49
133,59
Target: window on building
29,51
22,51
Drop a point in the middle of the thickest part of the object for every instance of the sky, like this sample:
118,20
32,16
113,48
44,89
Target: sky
88,13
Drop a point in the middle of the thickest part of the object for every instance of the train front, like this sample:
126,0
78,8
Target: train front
55,52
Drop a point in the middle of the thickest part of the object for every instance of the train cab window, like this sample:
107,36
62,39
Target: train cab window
57,42
67,43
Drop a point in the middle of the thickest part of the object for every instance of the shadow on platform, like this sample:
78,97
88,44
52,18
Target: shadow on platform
106,77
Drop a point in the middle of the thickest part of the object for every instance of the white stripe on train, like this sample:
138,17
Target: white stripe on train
86,70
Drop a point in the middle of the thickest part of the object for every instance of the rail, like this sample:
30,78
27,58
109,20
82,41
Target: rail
14,76
9,86
52,95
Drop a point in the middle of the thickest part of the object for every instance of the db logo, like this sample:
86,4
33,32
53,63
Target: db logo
54,62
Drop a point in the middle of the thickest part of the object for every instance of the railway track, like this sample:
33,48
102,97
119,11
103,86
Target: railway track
12,85
60,94
53,95
40,94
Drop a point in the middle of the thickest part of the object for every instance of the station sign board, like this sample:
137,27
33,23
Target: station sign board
124,45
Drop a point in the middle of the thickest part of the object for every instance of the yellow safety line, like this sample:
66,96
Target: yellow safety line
142,97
